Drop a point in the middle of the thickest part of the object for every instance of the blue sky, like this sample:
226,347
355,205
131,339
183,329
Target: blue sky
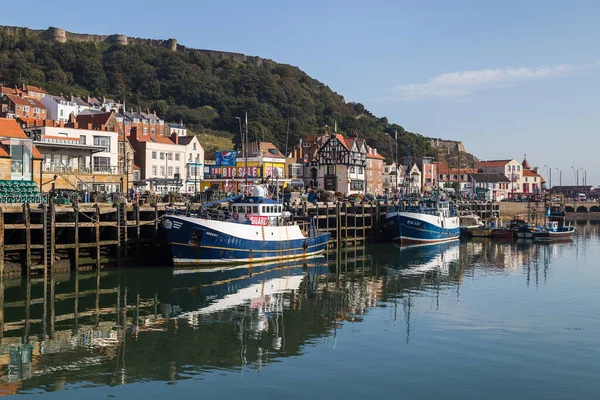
506,78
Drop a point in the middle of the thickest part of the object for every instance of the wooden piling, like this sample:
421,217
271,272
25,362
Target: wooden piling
27,215
52,236
155,233
97,231
119,249
1,243
364,225
125,237
138,249
1,306
76,240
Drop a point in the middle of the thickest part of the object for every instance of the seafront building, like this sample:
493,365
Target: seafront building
167,164
20,159
79,158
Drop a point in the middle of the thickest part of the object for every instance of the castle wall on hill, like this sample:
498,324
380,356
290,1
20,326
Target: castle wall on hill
445,144
55,34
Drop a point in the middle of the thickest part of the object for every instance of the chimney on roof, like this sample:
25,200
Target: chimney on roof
155,113
71,98
61,94
61,124
88,99
103,100
147,111
24,88
89,126
175,137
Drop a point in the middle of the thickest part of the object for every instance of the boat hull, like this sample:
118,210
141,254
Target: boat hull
503,234
415,228
481,232
207,242
524,232
554,235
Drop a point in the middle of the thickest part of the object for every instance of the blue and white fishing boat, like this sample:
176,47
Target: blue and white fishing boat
426,222
421,221
251,229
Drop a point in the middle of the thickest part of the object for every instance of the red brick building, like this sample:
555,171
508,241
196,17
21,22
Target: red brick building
374,178
17,105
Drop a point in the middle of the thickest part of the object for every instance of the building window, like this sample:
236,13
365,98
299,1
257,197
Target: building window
154,155
162,171
154,170
162,155
176,156
357,185
170,156
194,146
82,139
102,141
361,170
176,170
352,170
101,164
331,170
190,158
152,131
170,171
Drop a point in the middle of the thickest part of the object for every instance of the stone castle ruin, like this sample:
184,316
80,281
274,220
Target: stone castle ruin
61,36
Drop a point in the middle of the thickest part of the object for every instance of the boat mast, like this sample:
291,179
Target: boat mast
245,140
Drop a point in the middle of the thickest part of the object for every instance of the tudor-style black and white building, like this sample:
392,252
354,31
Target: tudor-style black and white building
339,165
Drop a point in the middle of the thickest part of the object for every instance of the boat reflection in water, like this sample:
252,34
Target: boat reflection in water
417,260
204,291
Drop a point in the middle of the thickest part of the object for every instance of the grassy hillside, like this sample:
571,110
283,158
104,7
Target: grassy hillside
206,92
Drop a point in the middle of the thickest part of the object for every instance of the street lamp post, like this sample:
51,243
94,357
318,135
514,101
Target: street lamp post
549,174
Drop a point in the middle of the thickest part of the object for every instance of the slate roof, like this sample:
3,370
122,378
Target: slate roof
490,178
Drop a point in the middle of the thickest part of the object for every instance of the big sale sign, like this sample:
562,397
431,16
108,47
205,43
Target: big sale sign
239,172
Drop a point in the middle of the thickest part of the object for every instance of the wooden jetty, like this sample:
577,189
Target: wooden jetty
51,237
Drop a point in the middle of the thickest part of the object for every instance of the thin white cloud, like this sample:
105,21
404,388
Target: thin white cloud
461,83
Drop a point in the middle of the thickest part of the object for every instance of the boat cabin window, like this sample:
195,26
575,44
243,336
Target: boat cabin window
255,209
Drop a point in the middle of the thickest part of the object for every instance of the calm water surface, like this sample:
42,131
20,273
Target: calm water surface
478,319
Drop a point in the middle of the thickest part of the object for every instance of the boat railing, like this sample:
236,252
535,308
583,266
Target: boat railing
227,215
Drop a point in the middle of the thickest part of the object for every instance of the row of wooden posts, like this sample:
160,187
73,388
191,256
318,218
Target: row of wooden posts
52,236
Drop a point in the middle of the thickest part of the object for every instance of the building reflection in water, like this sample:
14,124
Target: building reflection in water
114,327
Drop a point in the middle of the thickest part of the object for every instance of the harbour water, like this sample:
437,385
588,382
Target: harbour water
475,319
